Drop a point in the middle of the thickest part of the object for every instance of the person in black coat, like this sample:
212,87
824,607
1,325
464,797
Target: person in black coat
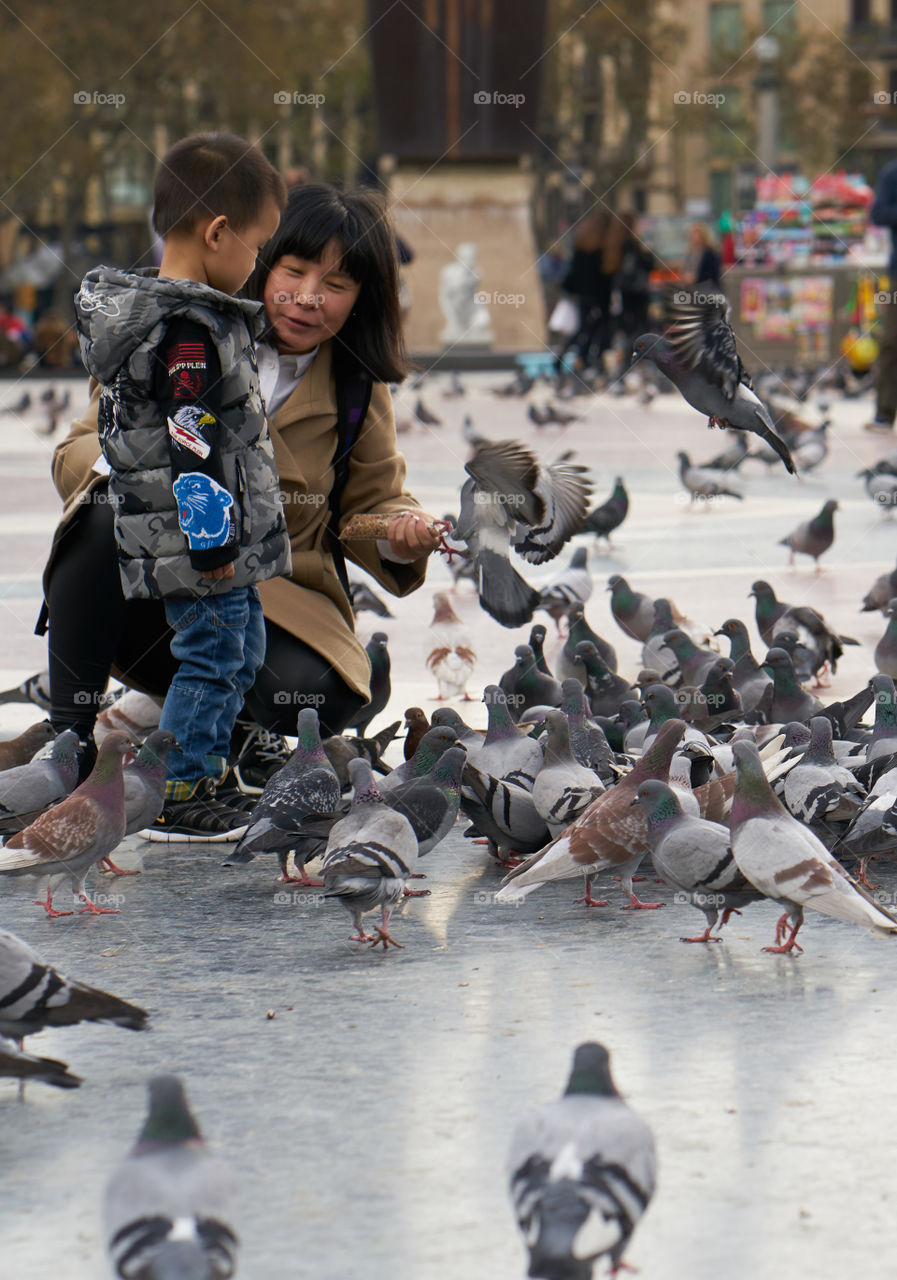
883,213
597,243
702,260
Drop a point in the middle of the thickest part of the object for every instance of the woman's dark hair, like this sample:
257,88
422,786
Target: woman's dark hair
209,174
370,342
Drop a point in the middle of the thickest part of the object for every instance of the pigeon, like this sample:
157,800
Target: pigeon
144,779
449,650
431,803
169,1206
693,662
341,748
731,458
582,1172
506,752
767,609
606,519
416,724
448,718
424,416
633,611
536,643
704,482
438,738
608,835
18,751
815,536
885,652
884,733
881,488
28,789
699,356
35,995
381,686
579,630
525,686
306,785
655,654
21,405
588,742
662,704
880,594
455,389
563,787
694,857
370,855
15,1063
134,712
811,449
818,789
786,862
363,598
511,500
504,812
570,586
789,700
35,689
460,565
539,417
77,832
606,691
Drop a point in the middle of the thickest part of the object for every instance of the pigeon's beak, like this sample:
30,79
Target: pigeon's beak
719,633
634,802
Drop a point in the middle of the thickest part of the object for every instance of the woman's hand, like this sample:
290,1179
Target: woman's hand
410,536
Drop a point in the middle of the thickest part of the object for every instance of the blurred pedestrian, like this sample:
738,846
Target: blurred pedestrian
701,265
633,280
597,248
883,213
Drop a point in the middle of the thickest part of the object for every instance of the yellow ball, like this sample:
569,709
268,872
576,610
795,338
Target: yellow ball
860,351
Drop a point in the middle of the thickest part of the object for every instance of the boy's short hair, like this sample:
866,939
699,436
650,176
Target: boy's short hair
209,174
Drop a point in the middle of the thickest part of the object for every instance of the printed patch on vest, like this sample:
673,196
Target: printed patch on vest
185,363
203,510
184,429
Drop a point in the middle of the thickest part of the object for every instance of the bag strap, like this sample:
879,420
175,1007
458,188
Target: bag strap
353,397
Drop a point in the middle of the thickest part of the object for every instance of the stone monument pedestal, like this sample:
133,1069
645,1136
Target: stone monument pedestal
435,210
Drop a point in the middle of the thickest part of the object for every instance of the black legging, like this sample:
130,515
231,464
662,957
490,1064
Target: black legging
92,628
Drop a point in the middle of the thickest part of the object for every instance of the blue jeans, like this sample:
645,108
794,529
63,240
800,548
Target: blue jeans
219,642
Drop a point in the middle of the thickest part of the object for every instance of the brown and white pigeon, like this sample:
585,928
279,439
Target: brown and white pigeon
16,751
81,830
449,650
169,1206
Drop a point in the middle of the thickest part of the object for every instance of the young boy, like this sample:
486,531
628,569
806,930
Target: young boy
192,479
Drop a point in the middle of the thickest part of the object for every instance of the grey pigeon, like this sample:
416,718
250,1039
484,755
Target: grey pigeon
579,630
786,862
449,718
588,742
881,488
655,654
774,616
563,787
363,598
704,482
307,784
813,537
789,700
370,855
510,499
884,732
504,812
424,416
582,1172
693,661
605,690
431,803
606,519
169,1207
35,995
507,752
632,610
811,448
341,748
81,830
537,644
571,585
525,686
767,609
694,857
381,686
881,593
438,738
16,751
144,780
699,356
730,458
28,789
885,652
818,789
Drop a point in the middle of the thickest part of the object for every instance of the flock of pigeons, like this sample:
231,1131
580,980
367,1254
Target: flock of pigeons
728,773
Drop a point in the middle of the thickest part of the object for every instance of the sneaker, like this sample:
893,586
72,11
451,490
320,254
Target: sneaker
879,424
203,818
259,758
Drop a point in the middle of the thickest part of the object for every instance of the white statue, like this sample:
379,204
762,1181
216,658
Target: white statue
465,311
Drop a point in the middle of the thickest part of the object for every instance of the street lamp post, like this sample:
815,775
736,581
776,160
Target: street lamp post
767,85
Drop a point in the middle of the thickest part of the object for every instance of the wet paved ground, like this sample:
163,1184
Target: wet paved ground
369,1118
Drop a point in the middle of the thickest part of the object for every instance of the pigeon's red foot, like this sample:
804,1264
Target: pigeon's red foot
782,926
106,864
589,901
863,879
302,878
706,936
636,904
621,1266
727,913
510,860
442,527
384,936
361,936
49,908
637,879
416,893
91,908
790,945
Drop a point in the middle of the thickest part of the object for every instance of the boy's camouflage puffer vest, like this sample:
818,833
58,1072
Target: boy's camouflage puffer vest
121,317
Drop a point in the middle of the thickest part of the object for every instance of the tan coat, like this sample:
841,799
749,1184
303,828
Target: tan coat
311,604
